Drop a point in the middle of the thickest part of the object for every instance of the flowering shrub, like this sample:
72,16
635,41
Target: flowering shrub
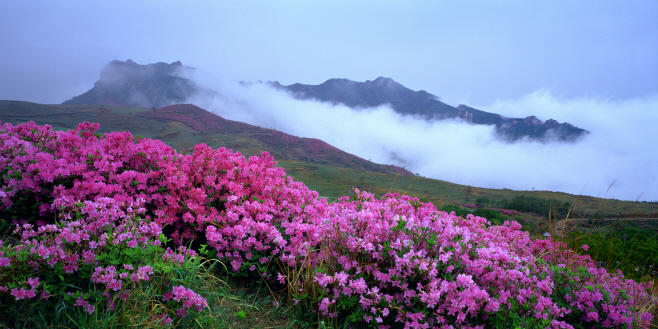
101,210
398,260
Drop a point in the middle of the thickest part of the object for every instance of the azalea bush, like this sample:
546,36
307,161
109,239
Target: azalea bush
400,261
99,222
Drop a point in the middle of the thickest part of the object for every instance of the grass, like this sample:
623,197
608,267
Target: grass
333,182
232,303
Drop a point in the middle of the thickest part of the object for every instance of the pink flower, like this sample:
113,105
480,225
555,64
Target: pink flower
163,319
324,305
45,295
114,285
33,282
20,293
281,278
585,247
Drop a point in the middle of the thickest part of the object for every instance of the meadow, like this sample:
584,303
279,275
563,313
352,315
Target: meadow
113,230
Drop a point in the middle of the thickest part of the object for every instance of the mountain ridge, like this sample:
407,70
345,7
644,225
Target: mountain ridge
386,91
161,84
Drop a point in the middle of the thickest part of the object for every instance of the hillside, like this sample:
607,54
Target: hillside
408,102
183,126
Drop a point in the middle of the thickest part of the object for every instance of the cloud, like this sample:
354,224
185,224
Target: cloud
620,147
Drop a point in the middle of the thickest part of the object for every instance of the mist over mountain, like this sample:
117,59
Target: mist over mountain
131,84
161,84
381,91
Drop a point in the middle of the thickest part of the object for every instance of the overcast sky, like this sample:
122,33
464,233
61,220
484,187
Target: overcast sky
591,63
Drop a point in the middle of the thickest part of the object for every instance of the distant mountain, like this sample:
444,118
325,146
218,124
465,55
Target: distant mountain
160,84
131,84
408,102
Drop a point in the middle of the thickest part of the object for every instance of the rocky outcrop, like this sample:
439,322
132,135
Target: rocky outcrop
130,84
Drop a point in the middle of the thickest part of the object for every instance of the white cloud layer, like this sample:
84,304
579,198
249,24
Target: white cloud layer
621,146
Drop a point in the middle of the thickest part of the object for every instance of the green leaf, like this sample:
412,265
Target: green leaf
241,315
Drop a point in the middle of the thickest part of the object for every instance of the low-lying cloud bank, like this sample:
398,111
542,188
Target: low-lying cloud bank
621,146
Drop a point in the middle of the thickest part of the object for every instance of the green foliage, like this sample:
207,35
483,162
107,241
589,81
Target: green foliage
519,219
241,314
482,201
540,206
449,207
495,217
631,250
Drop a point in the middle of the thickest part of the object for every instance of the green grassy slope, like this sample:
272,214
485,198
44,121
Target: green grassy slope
332,182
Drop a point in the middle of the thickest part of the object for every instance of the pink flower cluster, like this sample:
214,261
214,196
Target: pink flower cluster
189,298
394,260
179,257
4,261
26,294
460,269
113,279
80,302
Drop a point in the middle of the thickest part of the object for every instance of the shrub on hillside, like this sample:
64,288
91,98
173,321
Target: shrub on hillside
494,216
458,211
482,201
532,204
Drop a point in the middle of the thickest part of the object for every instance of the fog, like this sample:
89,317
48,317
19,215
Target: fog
620,148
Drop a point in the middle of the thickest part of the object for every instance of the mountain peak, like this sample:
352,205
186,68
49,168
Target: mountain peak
131,84
533,121
339,83
387,83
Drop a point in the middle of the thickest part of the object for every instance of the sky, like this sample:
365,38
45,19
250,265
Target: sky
593,64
